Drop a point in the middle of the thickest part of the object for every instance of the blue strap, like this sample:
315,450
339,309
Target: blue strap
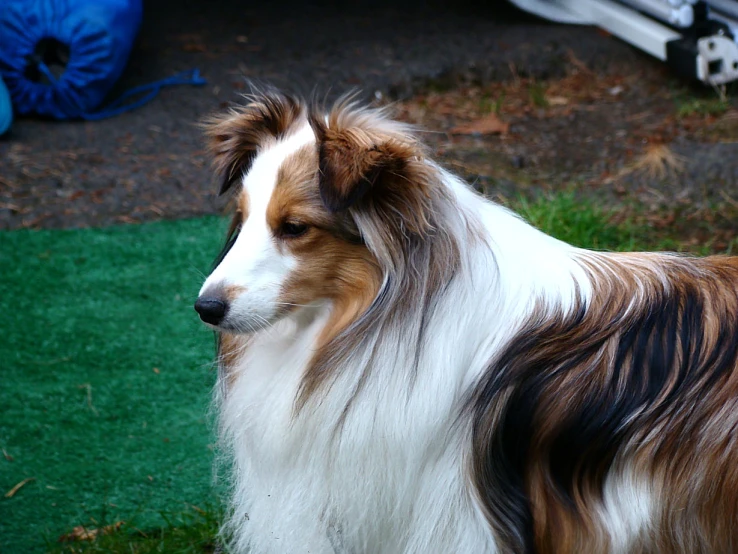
117,106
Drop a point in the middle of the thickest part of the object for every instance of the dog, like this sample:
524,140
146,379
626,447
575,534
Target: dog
407,367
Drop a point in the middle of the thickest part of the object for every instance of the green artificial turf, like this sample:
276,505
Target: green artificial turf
106,378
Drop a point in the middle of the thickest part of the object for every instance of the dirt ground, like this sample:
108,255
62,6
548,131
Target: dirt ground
636,140
515,104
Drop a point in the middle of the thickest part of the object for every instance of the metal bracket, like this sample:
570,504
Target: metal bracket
717,60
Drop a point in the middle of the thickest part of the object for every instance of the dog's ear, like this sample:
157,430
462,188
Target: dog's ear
352,163
234,138
370,163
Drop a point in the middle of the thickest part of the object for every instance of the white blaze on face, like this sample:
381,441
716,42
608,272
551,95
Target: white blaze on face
252,273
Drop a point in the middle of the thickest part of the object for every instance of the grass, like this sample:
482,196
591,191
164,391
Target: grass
692,101
585,223
189,532
537,93
581,223
702,106
107,379
489,105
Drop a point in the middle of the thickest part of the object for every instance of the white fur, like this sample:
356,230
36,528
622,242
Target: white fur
392,476
254,262
627,509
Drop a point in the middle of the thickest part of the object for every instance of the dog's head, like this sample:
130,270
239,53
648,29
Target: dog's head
323,204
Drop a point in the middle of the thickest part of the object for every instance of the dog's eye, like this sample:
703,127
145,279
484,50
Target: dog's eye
292,229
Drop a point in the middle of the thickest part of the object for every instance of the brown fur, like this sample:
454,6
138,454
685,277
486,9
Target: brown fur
372,171
652,387
230,348
365,163
333,264
242,209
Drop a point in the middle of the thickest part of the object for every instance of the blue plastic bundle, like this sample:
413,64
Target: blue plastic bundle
61,57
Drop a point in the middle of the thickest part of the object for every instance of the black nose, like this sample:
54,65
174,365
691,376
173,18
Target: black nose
211,310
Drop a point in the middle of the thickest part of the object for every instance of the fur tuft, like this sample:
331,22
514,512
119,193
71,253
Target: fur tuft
236,137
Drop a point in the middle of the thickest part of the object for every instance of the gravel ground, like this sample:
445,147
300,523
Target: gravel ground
149,164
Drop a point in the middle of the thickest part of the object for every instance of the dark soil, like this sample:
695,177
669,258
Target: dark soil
635,140
589,128
150,164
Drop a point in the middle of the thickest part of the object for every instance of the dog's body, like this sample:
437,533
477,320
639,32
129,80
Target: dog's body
406,367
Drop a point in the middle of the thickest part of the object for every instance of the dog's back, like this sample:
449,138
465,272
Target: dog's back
621,429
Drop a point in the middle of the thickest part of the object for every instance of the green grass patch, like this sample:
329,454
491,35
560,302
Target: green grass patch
106,378
702,106
492,105
582,223
690,101
190,532
537,93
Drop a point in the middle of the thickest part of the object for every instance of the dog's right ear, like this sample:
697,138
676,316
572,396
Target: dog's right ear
234,138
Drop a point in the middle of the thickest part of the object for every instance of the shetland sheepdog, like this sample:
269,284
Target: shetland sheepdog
407,367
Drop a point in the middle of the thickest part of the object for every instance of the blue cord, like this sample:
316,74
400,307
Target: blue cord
117,106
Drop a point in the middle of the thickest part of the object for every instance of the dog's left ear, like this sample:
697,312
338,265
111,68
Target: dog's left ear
352,162
358,163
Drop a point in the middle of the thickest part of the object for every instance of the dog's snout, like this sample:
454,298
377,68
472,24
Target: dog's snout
211,310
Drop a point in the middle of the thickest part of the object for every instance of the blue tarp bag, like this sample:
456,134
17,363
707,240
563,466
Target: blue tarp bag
60,58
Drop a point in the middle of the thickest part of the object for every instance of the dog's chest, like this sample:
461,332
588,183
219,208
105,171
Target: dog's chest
358,472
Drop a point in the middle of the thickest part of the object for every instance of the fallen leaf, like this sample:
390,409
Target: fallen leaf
490,124
10,206
7,456
15,489
81,533
557,100
197,509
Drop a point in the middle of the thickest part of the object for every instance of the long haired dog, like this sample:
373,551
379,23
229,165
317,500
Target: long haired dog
406,367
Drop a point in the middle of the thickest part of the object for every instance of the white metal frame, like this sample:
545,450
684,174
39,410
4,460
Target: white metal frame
626,24
665,29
